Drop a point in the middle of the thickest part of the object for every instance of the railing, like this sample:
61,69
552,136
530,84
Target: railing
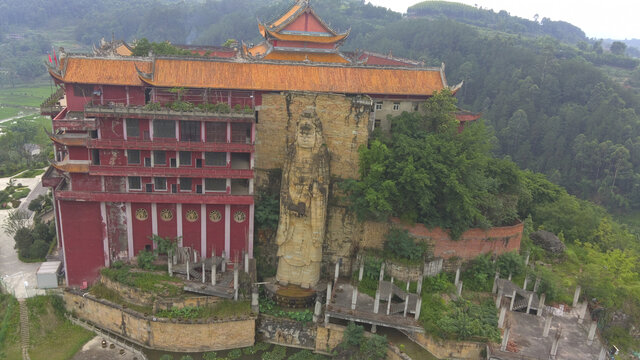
150,197
49,106
207,172
169,145
145,111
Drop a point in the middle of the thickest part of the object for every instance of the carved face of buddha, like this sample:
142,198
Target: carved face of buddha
306,137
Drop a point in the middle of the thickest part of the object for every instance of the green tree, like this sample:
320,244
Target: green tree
618,48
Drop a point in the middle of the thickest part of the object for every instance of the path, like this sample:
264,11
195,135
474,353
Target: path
19,277
24,329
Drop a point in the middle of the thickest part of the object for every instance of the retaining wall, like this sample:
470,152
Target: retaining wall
162,334
286,332
446,349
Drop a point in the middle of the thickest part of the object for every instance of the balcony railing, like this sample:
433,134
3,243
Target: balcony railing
51,106
71,166
168,145
207,172
74,121
165,113
145,197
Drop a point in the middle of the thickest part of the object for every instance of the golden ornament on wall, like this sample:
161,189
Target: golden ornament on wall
215,216
166,215
191,216
142,214
239,216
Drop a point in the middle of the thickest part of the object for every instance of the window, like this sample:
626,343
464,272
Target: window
215,184
164,129
216,132
190,131
160,183
379,105
135,183
159,157
376,124
133,157
396,106
185,184
133,128
215,159
185,158
95,157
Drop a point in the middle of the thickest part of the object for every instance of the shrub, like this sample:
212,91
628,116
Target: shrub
234,354
186,357
375,347
145,260
401,245
153,106
510,263
479,276
167,357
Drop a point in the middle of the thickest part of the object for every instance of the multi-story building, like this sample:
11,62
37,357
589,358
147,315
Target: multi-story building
167,146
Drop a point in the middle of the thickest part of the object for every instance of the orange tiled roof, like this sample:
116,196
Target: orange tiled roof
302,56
296,7
295,77
104,71
309,38
259,49
124,50
71,168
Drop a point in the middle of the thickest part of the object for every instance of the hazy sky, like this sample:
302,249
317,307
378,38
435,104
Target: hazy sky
616,19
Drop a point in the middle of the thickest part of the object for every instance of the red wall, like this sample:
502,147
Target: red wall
215,230
306,22
141,228
191,230
84,182
78,153
75,103
239,231
114,157
473,242
83,240
111,128
167,228
115,94
136,95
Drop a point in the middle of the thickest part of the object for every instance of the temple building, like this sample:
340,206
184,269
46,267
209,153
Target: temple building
176,146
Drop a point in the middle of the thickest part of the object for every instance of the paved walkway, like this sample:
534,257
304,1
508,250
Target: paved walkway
24,329
19,277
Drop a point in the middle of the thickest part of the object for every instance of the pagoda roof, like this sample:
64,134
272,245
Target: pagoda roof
278,28
303,36
258,75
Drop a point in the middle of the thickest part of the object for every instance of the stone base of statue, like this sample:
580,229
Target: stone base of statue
292,296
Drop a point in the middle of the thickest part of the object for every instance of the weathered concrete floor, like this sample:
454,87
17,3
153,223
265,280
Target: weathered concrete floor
93,351
527,330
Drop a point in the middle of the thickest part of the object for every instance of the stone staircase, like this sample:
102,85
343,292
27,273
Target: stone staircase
24,329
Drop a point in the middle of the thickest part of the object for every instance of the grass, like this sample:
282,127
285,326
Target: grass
223,309
156,283
30,174
9,328
99,290
8,112
52,336
31,96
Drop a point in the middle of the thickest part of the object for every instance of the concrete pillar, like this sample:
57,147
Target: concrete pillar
213,272
537,284
583,313
499,299
457,276
317,310
526,279
543,297
592,332
529,302
406,305
255,305
389,302
336,272
170,265
547,325
603,354
326,311
354,298
235,283
374,329
392,280
503,314
408,284
513,300
223,266
495,283
381,273
510,276
526,260
376,303
505,340
204,268
361,272
246,262
554,346
188,276
195,256
459,288
418,308
576,296
419,285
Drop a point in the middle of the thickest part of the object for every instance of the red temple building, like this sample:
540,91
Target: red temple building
127,167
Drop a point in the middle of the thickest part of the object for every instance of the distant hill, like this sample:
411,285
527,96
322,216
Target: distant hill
500,21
